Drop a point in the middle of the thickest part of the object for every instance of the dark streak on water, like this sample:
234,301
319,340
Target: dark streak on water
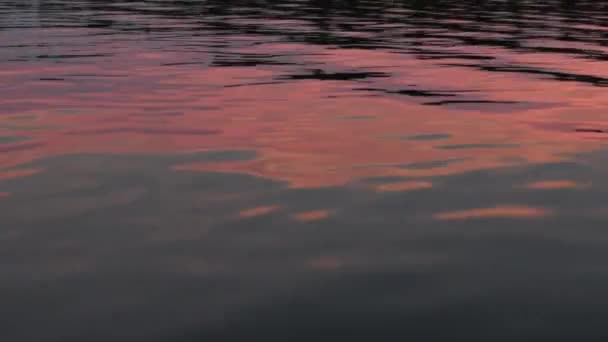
303,170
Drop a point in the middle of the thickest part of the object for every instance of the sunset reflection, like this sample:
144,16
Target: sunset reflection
258,211
404,186
301,134
553,184
310,216
502,211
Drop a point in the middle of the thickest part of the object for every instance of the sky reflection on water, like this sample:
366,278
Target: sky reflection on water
303,170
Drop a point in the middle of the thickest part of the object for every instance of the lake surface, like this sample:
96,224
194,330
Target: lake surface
303,170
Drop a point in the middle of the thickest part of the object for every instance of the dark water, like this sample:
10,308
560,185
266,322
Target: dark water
308,170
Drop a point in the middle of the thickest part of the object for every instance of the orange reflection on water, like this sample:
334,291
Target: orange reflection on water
10,174
501,211
308,132
309,216
258,211
553,184
404,186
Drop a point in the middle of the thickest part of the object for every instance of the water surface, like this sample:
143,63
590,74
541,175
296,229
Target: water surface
303,170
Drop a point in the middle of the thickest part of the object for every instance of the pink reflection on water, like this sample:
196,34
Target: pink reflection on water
305,132
258,211
10,174
501,211
404,186
309,216
553,185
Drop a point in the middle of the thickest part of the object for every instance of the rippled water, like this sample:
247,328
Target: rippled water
303,170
